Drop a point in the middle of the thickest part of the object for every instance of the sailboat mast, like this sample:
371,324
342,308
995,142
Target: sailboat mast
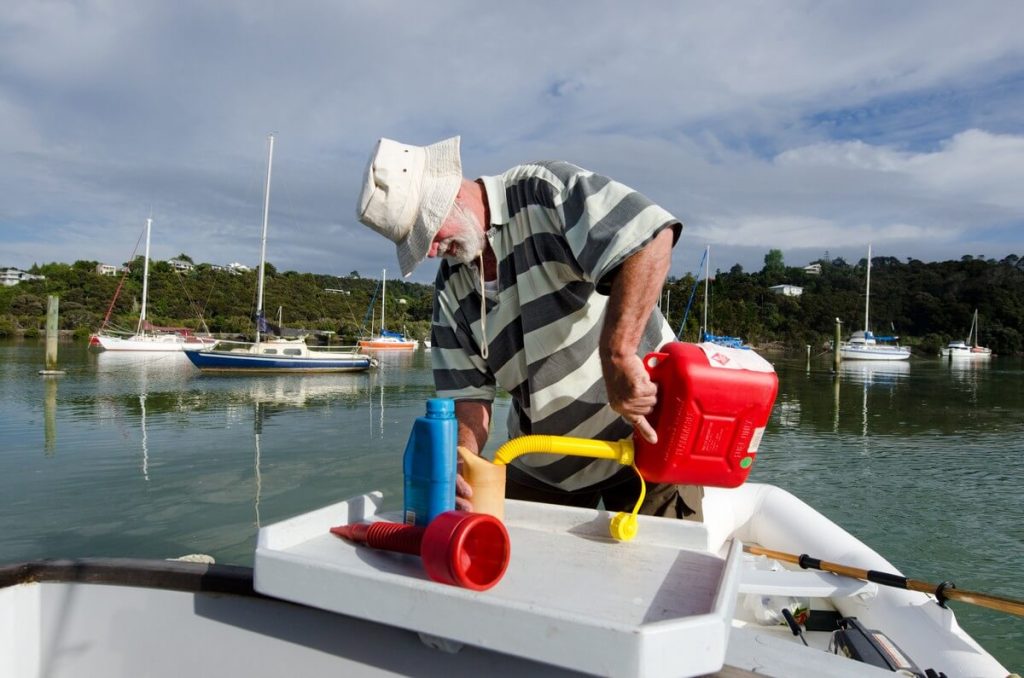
383,290
145,281
263,240
867,292
707,281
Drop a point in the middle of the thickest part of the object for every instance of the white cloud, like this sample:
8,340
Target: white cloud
759,125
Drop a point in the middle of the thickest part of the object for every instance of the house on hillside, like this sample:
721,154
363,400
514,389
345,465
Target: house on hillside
106,269
10,277
181,265
813,269
787,290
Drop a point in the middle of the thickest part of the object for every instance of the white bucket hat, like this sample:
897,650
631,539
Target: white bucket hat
407,193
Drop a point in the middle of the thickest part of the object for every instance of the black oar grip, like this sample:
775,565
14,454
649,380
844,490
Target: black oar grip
887,579
808,563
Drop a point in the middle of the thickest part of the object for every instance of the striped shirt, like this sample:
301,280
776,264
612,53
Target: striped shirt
559,234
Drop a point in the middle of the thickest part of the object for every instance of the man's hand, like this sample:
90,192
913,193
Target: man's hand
631,393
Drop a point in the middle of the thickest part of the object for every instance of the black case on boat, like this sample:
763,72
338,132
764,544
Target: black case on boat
870,647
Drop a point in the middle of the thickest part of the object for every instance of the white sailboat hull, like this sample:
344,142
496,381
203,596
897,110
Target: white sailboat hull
848,352
152,342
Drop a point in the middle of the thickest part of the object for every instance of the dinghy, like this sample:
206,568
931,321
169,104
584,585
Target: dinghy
681,599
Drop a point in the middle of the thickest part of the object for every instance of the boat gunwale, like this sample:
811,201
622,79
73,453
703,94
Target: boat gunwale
139,572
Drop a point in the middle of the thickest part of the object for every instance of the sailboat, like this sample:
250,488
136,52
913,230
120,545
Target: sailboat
705,335
387,340
863,344
148,337
277,354
966,349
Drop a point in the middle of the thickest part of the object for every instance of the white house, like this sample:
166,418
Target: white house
180,264
106,269
787,290
813,269
10,277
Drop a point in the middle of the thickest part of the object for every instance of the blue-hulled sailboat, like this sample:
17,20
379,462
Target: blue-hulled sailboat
276,354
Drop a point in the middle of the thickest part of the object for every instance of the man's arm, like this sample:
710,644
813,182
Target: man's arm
635,292
474,425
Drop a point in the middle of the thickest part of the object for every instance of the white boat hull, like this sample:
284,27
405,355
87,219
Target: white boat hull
874,353
151,342
966,352
174,619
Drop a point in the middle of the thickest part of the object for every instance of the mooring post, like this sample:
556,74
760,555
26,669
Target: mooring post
51,336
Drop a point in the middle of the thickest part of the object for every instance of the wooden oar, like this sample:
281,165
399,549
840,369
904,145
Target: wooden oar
944,591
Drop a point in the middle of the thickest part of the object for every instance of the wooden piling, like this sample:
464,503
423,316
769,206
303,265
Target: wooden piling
52,332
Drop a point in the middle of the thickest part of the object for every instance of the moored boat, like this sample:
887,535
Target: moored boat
863,344
275,354
681,599
385,340
147,337
969,348
279,355
388,341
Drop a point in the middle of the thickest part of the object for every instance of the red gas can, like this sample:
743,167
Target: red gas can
713,406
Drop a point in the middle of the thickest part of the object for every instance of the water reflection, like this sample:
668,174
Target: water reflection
874,371
49,415
258,479
869,374
145,436
900,398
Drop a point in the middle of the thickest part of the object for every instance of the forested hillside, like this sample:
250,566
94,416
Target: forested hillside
225,301
926,304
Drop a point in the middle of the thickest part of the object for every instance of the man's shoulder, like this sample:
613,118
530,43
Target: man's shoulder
556,171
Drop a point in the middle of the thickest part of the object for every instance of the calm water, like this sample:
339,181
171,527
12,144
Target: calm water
143,456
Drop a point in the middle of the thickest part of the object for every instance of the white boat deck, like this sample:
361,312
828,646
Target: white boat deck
616,608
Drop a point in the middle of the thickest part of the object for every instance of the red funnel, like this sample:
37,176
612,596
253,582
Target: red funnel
464,549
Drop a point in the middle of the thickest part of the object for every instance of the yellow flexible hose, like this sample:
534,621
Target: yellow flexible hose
623,525
620,451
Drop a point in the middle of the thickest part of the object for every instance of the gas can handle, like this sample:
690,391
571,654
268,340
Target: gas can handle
651,361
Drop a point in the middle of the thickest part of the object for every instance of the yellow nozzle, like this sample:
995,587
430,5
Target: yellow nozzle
621,451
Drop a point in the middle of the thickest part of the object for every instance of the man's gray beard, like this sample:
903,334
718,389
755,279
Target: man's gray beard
470,239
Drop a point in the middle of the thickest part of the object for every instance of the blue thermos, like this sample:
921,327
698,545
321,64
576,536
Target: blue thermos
430,463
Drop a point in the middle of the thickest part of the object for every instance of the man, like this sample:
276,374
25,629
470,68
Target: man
547,289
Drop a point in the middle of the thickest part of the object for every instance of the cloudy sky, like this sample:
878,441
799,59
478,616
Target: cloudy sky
808,127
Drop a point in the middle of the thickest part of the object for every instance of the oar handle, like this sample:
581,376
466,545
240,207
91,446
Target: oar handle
944,591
